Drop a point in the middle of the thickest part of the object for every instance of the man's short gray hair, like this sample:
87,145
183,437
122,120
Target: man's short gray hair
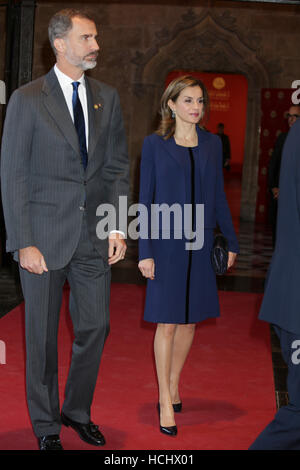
61,23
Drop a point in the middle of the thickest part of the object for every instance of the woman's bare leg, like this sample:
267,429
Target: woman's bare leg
163,346
182,343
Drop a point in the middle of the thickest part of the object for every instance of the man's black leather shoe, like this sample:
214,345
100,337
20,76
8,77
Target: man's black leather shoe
51,442
87,432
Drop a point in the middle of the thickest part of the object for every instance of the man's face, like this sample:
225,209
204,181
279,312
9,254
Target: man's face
81,47
293,115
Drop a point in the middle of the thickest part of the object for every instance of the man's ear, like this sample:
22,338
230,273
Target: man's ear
60,45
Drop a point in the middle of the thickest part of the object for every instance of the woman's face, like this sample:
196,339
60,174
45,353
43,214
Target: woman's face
189,105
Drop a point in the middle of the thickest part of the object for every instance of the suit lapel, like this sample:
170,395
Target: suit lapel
95,103
203,152
172,148
57,107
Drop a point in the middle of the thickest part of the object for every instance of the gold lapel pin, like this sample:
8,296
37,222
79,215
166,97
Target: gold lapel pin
97,106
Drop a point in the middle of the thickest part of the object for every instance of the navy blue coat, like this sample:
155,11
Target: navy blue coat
281,302
163,180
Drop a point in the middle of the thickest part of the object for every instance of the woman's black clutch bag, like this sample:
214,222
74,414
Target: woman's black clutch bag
219,254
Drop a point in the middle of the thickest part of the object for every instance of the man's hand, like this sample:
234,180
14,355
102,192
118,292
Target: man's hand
231,259
275,192
147,267
116,248
32,260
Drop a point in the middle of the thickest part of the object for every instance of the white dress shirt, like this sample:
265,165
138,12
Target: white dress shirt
67,89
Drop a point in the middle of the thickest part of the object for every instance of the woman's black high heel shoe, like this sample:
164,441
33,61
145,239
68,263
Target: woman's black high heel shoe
177,407
169,430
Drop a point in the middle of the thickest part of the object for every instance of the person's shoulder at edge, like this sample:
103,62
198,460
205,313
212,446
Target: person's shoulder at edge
27,88
31,88
154,137
211,136
213,140
293,133
152,140
37,83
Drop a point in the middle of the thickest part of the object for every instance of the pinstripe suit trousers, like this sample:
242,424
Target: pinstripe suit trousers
89,279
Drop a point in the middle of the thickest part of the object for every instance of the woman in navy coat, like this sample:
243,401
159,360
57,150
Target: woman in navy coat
181,168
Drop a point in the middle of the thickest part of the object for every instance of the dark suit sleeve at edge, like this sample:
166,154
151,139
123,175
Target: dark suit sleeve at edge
293,146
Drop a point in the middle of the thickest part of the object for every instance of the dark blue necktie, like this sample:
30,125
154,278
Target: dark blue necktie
79,124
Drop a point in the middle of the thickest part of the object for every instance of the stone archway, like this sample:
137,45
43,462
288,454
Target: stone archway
202,43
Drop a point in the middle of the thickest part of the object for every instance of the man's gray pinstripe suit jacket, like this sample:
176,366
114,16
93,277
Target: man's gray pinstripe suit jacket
44,185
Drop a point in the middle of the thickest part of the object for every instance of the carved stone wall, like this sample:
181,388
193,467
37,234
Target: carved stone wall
141,42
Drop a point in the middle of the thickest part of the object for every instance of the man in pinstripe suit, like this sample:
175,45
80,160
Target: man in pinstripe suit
63,154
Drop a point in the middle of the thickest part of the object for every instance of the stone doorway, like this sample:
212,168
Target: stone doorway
203,42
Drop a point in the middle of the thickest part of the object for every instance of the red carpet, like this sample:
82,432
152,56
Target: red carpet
227,385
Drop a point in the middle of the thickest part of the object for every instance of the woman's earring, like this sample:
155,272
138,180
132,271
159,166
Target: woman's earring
173,114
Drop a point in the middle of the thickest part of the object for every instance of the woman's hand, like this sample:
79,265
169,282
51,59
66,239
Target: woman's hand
147,266
231,259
